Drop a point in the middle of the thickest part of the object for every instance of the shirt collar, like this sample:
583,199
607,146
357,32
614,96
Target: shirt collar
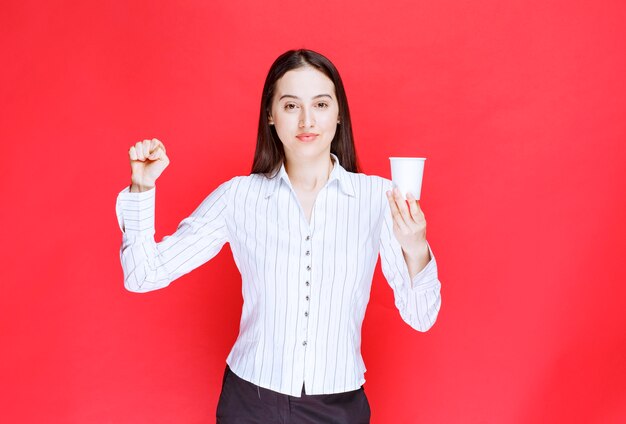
338,173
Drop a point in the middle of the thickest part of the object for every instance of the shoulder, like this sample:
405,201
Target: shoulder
370,185
241,181
224,190
246,182
245,185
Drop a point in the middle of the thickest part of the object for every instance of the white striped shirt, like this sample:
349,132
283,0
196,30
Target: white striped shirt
305,286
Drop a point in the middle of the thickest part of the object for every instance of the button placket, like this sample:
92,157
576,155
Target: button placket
307,283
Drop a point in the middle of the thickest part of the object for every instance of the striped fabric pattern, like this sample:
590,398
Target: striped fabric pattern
306,285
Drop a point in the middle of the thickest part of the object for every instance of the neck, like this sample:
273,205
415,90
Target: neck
309,175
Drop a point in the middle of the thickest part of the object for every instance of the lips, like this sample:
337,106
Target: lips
306,136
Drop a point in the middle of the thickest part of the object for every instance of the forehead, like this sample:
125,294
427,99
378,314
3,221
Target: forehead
305,83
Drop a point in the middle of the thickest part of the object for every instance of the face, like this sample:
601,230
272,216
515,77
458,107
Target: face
305,112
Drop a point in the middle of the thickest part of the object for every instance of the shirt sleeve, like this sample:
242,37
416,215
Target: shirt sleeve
417,299
149,265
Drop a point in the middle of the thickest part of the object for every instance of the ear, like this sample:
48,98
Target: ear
270,120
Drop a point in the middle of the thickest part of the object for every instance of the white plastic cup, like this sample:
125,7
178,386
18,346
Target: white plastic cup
407,174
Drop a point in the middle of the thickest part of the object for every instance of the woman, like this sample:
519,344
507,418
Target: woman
305,228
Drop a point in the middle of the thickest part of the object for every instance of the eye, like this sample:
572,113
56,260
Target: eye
322,105
290,106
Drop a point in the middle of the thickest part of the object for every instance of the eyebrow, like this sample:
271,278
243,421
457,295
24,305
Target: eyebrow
298,98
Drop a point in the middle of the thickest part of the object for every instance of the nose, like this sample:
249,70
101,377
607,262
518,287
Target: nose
307,119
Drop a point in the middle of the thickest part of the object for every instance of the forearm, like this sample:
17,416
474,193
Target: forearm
417,260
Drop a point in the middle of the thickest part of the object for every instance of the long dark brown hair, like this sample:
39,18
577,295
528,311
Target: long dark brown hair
269,154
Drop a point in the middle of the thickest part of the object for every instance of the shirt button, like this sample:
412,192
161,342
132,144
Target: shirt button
306,314
308,238
308,252
308,267
307,298
306,282
304,343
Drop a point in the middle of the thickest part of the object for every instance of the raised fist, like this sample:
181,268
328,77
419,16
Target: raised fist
147,162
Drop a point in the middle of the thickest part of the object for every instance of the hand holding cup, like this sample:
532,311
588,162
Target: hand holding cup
409,223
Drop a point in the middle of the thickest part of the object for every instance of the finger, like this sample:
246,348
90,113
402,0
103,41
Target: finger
132,153
146,148
395,213
139,150
155,147
156,154
404,210
159,143
418,215
414,208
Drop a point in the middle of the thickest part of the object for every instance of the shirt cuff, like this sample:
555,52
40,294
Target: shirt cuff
135,211
427,278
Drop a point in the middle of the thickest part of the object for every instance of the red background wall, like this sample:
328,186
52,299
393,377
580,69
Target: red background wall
520,107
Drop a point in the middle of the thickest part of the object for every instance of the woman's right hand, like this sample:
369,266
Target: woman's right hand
147,162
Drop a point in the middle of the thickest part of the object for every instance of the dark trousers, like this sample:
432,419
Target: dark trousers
242,402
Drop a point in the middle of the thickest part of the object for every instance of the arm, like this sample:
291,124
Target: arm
418,298
417,261
148,265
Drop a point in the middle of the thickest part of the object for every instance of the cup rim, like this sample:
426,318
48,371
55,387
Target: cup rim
405,158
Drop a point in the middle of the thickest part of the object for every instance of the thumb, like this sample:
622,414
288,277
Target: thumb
155,154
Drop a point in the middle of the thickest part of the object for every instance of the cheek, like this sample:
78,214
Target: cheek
285,116
328,120
285,122
334,114
285,127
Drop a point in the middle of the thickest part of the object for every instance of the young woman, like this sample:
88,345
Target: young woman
305,228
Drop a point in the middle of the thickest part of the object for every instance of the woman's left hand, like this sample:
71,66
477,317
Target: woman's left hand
409,224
